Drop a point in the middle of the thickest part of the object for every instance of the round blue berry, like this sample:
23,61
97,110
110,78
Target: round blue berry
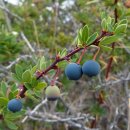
14,105
73,71
91,68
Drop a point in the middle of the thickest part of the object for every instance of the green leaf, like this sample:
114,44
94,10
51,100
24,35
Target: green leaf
109,20
112,21
16,77
85,33
33,70
3,101
42,63
34,81
78,41
13,116
28,85
105,48
26,77
109,40
14,87
11,95
104,24
80,35
15,93
115,26
38,93
92,38
3,88
123,21
120,29
62,64
109,28
11,125
63,52
18,70
41,86
30,95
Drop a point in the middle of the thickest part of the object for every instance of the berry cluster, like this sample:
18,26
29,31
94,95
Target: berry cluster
74,71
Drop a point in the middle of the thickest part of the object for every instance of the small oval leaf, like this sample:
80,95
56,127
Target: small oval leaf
120,29
3,101
41,86
92,38
109,40
85,33
26,77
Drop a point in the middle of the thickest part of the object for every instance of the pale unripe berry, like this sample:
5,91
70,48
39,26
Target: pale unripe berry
52,93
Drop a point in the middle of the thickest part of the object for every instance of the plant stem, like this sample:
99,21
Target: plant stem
95,56
55,76
81,56
109,65
116,12
22,91
94,123
1,117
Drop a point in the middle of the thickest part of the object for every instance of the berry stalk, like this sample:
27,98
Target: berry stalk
95,56
81,56
55,77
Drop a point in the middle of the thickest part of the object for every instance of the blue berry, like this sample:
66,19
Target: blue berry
15,105
91,68
73,71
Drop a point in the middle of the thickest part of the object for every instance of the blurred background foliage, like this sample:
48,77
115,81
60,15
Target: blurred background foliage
50,26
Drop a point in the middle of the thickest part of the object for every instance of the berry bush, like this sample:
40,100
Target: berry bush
65,65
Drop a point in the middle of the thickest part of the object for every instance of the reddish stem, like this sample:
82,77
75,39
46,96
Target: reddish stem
94,123
1,117
22,91
55,77
116,12
109,65
81,56
95,56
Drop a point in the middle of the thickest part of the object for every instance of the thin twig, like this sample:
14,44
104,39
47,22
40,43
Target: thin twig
35,109
17,60
27,42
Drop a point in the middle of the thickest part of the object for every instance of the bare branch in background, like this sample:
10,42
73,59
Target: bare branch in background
35,109
27,42
109,83
72,120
